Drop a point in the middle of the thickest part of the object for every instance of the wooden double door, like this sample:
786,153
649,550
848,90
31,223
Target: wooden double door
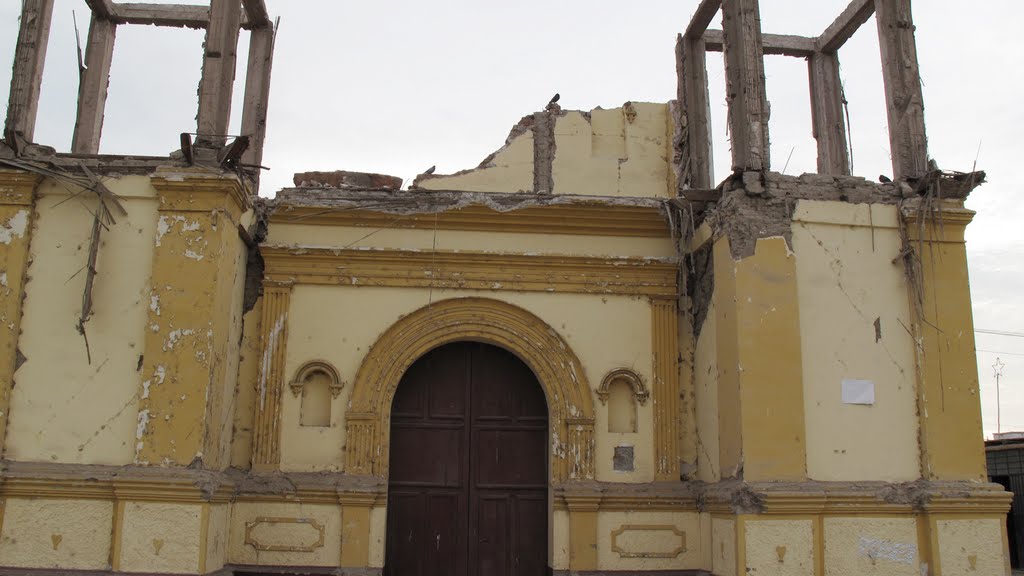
467,494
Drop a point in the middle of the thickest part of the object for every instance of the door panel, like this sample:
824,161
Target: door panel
468,488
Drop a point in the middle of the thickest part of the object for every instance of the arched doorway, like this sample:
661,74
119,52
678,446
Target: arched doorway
467,490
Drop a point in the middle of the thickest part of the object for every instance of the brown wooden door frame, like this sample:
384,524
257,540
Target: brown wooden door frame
469,458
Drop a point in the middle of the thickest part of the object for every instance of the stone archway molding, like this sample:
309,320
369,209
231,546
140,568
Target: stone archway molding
570,400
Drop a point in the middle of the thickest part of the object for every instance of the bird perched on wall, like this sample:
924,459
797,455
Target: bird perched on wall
430,170
554,98
884,179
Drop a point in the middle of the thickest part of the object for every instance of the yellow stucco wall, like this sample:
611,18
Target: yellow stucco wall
419,239
973,547
297,527
847,281
45,533
560,540
648,541
871,547
63,408
779,547
245,388
159,537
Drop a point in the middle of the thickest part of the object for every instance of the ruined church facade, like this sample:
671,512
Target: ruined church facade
583,356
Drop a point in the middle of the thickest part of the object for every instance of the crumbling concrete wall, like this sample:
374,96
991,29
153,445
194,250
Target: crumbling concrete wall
618,152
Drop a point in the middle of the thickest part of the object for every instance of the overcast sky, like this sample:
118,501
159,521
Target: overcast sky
396,86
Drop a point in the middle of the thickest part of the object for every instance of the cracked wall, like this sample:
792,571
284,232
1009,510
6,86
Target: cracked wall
622,151
64,408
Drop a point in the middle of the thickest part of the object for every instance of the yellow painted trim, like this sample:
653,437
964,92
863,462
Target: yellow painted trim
445,269
946,362
117,535
204,532
266,435
666,388
355,529
201,192
17,195
741,545
819,545
17,187
583,533
585,219
570,398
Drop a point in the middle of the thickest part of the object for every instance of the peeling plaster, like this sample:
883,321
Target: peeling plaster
14,228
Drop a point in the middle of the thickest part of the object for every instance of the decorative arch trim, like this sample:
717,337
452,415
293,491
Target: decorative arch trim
312,367
570,400
634,380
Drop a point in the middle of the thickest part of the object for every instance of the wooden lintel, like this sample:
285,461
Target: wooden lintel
170,15
92,89
774,44
827,117
27,76
257,93
218,77
846,25
702,17
102,9
746,96
904,101
256,13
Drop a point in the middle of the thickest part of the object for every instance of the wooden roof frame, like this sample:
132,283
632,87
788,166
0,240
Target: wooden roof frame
222,20
744,45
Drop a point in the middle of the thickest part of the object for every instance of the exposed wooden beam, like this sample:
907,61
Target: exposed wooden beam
218,77
745,92
702,17
27,76
92,89
773,44
827,116
256,13
904,103
102,9
257,93
171,15
691,69
846,25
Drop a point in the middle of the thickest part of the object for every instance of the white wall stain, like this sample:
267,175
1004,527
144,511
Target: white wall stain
875,549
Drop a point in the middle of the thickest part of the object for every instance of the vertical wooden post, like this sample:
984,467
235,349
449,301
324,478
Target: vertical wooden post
691,62
827,114
92,88
904,102
257,92
218,71
27,77
744,69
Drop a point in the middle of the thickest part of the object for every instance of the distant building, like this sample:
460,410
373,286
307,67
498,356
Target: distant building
584,356
1005,458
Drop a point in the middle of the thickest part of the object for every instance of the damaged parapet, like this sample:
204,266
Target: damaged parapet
624,151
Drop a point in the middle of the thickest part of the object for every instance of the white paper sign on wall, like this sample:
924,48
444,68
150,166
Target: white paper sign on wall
858,392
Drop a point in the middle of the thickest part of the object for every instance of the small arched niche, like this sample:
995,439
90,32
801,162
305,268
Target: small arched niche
317,382
621,390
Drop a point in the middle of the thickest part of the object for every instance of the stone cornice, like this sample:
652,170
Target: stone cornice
472,271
